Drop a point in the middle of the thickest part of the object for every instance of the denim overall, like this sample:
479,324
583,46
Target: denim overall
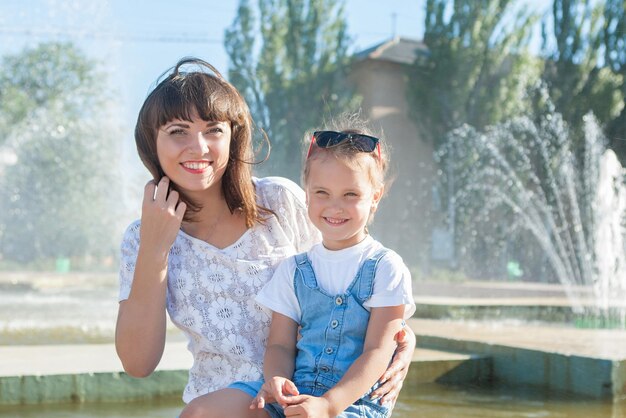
332,333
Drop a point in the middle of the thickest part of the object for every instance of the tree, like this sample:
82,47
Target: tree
295,75
614,37
59,199
51,74
579,80
476,72
477,69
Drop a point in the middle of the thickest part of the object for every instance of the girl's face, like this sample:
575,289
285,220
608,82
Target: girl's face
194,155
340,200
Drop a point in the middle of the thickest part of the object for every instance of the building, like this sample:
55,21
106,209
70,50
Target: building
404,221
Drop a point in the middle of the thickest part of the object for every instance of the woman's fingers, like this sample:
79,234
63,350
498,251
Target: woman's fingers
172,203
390,394
161,216
180,210
148,192
395,368
159,196
172,198
381,390
401,336
391,381
162,188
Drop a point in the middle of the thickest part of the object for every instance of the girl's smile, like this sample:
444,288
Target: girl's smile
335,221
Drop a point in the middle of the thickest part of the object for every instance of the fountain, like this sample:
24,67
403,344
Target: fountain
525,185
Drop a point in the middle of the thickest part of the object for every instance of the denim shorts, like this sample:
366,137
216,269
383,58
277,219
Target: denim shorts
359,409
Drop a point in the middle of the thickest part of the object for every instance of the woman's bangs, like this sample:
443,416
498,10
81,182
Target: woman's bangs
211,98
221,106
207,97
173,105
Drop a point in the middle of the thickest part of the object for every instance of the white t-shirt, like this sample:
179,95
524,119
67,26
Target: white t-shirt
334,271
210,291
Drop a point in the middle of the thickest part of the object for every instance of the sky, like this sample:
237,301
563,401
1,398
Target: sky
138,40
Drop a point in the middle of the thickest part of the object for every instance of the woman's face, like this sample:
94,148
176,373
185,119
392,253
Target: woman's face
194,154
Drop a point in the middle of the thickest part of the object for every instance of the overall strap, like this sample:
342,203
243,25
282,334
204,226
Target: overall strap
363,286
305,270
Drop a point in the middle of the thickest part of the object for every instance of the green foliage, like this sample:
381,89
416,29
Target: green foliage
289,59
614,38
614,35
579,77
50,74
571,71
478,67
58,199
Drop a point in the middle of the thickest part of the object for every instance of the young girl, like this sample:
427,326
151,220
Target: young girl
337,307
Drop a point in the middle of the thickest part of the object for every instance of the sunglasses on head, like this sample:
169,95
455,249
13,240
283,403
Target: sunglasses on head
329,139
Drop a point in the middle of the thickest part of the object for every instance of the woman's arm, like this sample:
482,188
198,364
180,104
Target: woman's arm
379,346
141,320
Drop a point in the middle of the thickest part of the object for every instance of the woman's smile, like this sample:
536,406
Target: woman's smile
196,167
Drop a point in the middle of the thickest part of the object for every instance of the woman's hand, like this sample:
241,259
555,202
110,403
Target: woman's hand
161,217
393,378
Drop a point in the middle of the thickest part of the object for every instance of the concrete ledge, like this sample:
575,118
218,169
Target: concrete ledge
431,366
518,366
85,373
494,309
89,387
558,365
92,373
585,362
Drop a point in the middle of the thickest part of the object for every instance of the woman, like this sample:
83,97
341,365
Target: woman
209,238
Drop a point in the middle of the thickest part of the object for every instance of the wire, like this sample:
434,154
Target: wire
46,33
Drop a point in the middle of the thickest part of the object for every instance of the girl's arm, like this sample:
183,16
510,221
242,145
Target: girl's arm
141,320
378,350
279,362
395,374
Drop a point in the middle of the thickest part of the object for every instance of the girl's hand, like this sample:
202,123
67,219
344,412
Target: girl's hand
306,406
262,398
277,389
393,378
161,217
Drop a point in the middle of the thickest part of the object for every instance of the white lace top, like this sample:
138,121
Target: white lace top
211,291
